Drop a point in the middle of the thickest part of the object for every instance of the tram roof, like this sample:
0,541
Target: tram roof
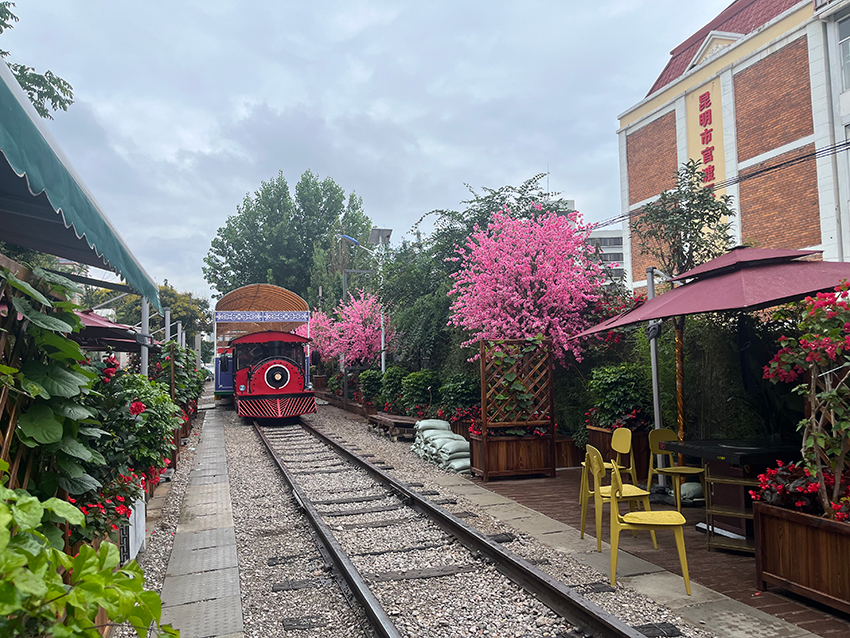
235,311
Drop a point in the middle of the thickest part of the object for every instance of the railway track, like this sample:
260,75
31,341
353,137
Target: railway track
385,540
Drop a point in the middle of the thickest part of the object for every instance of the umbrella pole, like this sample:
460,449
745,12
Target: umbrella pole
680,380
653,359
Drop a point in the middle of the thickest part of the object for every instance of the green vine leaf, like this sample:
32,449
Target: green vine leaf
47,322
55,379
40,423
56,279
27,289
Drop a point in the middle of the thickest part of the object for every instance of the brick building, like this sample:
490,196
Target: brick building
763,85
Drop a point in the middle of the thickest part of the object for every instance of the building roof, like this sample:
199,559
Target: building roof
742,16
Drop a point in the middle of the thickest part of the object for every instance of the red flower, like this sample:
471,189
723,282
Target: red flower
120,498
114,527
137,407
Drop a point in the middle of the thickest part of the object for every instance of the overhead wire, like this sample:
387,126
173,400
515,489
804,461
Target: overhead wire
825,151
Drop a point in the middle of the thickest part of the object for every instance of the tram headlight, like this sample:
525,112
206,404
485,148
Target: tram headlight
277,376
241,388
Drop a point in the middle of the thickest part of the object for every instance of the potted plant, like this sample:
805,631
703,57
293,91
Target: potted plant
620,395
802,510
516,432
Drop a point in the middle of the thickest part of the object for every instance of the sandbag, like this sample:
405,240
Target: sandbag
459,465
432,424
453,445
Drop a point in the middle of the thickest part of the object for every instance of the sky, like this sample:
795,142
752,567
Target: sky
183,107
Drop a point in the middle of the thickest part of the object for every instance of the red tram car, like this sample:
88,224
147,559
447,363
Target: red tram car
269,369
269,379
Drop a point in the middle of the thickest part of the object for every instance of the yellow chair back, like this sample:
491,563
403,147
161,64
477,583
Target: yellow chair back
621,440
657,436
595,464
616,489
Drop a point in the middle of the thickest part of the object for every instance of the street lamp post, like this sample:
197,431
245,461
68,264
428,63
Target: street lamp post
378,236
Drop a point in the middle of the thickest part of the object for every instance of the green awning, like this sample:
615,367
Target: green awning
44,205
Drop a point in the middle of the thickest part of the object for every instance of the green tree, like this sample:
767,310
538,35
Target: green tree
271,238
47,91
331,256
683,228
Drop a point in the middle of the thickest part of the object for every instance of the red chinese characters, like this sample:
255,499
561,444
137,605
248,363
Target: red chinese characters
705,137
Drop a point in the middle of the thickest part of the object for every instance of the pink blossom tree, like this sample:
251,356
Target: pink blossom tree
523,277
357,337
323,332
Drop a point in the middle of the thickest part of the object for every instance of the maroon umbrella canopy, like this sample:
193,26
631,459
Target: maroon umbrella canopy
742,279
99,332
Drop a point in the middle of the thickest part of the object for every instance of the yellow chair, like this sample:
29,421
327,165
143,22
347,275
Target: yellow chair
621,443
676,471
602,494
643,521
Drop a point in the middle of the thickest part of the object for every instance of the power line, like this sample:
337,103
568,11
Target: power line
825,151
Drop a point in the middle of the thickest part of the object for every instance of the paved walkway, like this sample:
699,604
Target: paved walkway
200,595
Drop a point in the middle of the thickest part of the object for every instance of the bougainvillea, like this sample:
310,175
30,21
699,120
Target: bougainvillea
523,277
821,359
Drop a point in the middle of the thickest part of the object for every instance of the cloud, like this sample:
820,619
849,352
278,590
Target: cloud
183,108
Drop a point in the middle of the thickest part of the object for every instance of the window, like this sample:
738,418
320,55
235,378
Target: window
844,51
606,241
612,257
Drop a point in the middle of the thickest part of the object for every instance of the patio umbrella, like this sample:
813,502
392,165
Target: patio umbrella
742,279
99,332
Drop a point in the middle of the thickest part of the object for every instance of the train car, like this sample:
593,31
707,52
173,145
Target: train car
270,378
223,373
261,362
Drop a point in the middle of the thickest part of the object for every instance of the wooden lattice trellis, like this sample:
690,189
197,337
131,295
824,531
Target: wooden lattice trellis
516,393
519,392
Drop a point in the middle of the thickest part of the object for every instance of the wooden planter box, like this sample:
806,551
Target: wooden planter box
320,382
805,554
600,438
461,427
348,406
511,455
567,453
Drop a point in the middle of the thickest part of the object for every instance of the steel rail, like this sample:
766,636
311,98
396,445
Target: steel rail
379,618
554,594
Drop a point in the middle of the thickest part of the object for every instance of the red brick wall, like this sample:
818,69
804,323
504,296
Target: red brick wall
652,164
773,101
780,209
651,157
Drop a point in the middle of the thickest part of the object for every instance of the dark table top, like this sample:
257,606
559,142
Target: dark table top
735,452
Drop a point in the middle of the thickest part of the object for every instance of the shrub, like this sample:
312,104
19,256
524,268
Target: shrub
620,396
460,391
420,388
391,384
370,384
335,384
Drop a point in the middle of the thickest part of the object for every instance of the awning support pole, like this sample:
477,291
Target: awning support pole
653,358
167,312
146,330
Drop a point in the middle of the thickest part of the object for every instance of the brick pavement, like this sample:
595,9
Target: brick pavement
728,573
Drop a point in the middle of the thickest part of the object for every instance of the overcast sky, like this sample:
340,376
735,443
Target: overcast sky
184,106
